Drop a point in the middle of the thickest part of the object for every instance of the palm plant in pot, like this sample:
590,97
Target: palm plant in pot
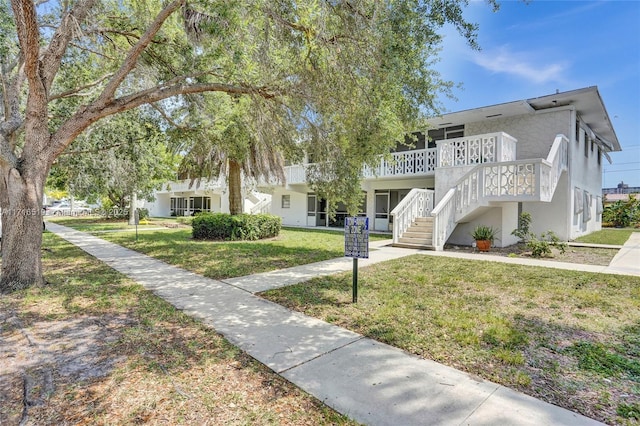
484,236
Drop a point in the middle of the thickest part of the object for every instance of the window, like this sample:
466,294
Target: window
586,146
599,157
286,201
450,132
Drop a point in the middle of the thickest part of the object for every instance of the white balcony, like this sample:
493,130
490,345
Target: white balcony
476,149
470,150
186,185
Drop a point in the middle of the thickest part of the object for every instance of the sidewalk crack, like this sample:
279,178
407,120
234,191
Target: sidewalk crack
320,355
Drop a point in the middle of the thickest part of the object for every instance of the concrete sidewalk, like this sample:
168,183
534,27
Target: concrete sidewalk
368,381
627,261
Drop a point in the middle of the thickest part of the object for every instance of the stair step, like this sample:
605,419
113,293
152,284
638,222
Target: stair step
415,246
417,234
418,241
427,219
419,229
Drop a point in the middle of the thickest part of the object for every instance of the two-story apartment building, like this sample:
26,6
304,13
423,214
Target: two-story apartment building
480,166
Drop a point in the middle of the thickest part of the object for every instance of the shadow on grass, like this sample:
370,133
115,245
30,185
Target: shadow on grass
91,343
507,333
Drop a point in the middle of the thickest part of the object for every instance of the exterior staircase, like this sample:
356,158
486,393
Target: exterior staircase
488,183
419,234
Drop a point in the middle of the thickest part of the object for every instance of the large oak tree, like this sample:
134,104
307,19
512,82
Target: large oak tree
350,76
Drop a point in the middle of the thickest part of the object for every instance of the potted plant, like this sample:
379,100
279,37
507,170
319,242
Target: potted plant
484,236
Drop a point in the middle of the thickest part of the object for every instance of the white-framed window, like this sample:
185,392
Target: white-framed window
286,201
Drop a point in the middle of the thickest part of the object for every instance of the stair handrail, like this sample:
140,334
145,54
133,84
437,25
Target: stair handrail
417,203
444,219
557,162
471,190
262,206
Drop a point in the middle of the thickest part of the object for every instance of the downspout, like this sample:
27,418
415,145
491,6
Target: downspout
570,150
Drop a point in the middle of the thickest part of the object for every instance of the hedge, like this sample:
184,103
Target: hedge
223,226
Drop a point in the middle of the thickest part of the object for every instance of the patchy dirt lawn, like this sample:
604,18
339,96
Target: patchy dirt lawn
92,347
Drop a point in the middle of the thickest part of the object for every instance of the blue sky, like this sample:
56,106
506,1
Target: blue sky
531,49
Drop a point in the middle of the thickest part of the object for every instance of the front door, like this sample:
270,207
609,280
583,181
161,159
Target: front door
382,211
311,209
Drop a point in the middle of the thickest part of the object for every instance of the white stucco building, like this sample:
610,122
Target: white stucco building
481,166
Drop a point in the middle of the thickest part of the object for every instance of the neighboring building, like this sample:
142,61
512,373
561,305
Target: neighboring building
480,166
622,188
621,192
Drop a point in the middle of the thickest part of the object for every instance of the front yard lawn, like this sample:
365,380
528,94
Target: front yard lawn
94,347
224,259
569,338
612,236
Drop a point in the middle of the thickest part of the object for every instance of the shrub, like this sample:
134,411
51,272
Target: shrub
622,213
223,226
143,214
539,246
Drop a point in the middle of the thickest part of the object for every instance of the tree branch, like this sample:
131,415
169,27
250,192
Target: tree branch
76,90
135,52
52,57
167,118
87,151
95,52
85,116
29,40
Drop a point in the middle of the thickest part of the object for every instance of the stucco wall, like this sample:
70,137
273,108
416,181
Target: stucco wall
501,218
551,216
447,178
160,206
535,132
586,177
296,214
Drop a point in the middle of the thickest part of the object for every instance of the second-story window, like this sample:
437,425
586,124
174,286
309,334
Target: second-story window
450,132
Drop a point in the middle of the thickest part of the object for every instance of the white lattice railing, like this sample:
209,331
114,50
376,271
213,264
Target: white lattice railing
470,150
406,163
558,160
444,215
296,174
187,185
417,203
262,206
476,149
523,180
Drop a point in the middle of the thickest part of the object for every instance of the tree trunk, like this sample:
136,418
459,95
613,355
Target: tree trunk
234,181
21,202
132,208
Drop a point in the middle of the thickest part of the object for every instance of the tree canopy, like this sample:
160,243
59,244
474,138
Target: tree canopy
119,157
348,77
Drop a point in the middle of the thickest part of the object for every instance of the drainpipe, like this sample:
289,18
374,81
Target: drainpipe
569,190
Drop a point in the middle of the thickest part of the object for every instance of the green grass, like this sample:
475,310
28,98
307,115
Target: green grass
98,224
610,236
160,365
570,338
225,259
557,335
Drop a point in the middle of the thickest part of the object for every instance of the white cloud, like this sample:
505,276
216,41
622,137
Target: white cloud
524,65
